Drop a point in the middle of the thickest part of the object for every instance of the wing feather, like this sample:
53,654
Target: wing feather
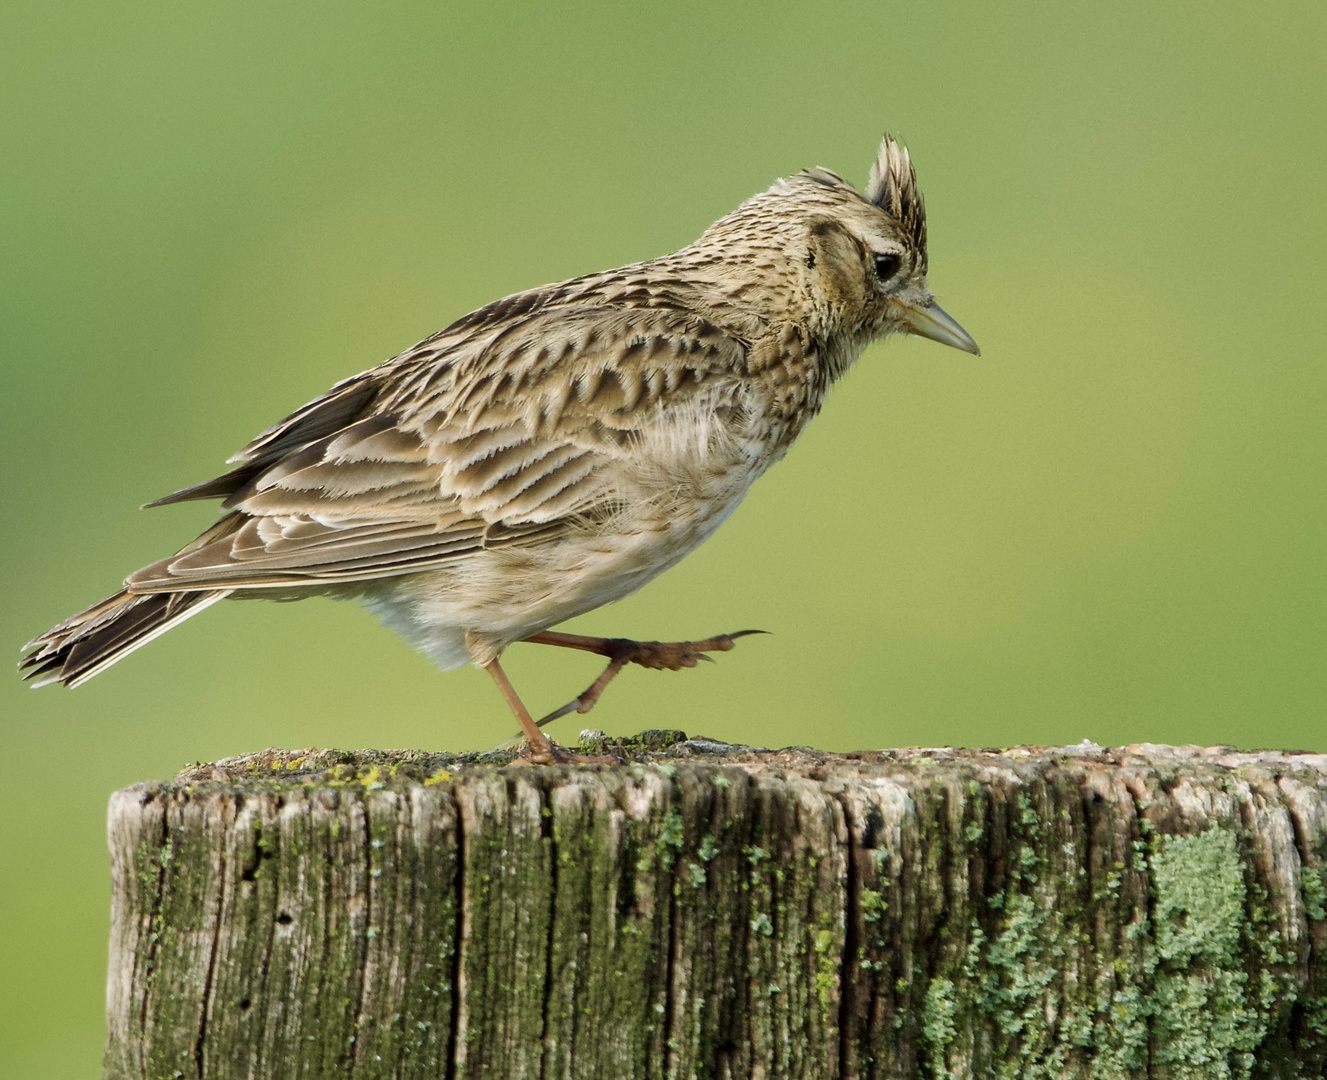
511,435
332,412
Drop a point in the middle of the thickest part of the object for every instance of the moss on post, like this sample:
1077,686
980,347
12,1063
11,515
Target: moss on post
710,910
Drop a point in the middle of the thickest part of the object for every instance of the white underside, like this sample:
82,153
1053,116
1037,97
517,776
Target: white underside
475,607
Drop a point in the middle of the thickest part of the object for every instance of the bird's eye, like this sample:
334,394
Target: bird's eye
887,265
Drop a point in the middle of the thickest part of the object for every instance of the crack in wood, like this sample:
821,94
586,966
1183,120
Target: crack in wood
848,960
458,955
359,1028
547,835
200,1041
150,916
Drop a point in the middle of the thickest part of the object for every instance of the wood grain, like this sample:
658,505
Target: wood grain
706,910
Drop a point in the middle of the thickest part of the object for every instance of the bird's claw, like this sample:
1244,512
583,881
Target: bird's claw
656,655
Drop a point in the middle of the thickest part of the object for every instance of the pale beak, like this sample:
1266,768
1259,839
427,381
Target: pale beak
932,321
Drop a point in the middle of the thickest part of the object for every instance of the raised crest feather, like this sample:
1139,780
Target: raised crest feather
893,187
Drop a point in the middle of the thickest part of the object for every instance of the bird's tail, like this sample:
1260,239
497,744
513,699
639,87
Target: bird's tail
91,641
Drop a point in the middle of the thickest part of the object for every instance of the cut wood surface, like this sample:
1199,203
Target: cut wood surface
707,910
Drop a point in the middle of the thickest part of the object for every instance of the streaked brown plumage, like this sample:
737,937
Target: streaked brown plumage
554,450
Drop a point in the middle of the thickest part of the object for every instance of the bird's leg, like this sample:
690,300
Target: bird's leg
659,655
540,746
540,749
584,701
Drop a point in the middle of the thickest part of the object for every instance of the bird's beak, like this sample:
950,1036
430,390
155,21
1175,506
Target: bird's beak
932,321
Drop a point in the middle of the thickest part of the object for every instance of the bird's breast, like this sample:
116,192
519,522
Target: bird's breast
697,458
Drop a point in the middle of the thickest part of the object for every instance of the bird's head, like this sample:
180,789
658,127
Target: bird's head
854,262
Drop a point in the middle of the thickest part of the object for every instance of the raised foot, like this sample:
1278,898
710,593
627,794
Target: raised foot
658,655
671,655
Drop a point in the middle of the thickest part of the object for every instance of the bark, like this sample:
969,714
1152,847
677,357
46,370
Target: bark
705,910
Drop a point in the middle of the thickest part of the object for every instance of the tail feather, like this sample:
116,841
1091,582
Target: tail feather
91,641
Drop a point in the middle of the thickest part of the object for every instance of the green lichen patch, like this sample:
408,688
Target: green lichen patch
1208,1015
937,1026
1315,893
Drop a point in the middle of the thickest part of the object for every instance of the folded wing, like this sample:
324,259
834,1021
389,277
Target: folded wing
513,431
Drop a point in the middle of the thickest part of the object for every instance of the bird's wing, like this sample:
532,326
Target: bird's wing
513,434
347,401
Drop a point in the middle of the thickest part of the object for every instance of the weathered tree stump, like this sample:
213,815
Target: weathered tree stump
706,910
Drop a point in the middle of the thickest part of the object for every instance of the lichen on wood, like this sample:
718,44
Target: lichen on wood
705,910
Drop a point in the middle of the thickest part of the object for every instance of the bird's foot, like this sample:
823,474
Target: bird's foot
672,655
556,755
659,655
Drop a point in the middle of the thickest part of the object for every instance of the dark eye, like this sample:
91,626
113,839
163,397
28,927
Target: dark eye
887,265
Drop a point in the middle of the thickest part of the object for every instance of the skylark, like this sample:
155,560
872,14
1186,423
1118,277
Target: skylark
554,450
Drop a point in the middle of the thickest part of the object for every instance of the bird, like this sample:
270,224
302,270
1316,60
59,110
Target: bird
554,450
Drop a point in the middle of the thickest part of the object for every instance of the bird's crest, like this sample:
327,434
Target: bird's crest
893,187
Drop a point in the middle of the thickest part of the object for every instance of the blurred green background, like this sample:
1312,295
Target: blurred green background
1110,526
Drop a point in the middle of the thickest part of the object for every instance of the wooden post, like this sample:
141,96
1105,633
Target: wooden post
706,910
